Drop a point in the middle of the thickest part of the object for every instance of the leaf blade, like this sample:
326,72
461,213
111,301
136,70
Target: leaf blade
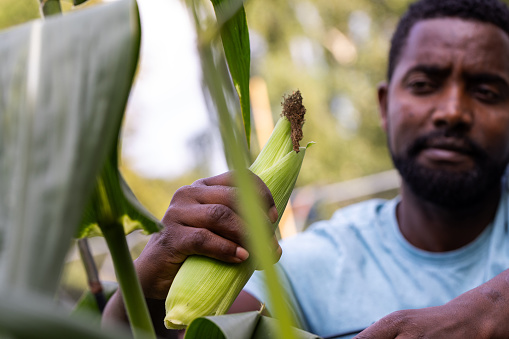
53,144
235,37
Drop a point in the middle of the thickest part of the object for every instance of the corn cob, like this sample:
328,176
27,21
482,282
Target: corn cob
205,286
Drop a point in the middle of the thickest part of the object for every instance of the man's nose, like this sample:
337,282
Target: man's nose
453,109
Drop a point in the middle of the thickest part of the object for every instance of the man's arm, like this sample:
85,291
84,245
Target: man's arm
479,313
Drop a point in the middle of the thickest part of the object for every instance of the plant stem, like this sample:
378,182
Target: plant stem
132,294
50,7
94,284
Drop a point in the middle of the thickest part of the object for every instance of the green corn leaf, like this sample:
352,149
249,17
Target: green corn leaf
87,304
113,200
267,328
29,316
241,325
61,105
231,17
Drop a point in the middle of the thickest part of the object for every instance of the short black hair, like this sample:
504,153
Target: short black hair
488,11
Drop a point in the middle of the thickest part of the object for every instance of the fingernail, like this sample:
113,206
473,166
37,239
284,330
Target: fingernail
273,214
241,253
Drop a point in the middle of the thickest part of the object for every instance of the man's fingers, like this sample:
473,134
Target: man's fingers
277,249
200,241
204,242
222,187
223,179
217,218
202,194
388,327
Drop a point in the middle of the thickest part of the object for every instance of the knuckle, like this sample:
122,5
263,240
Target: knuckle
199,182
218,213
198,238
394,320
168,242
181,193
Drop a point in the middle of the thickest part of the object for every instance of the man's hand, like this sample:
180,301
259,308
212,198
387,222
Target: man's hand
431,322
202,219
479,313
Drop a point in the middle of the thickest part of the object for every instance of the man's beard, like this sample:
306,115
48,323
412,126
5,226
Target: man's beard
447,188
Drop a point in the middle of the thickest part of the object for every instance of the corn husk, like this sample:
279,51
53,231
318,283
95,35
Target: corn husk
206,286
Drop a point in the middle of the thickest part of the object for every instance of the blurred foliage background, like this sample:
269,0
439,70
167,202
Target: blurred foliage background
334,52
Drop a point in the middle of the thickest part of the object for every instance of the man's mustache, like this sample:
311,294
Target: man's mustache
448,140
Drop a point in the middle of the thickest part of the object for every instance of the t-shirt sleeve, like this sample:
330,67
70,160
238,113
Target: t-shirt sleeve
257,287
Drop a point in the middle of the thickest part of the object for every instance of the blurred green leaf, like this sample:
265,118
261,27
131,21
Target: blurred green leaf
231,17
50,7
249,200
87,304
61,105
239,325
267,328
29,316
120,204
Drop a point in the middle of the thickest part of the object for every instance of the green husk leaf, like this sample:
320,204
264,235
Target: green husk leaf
204,286
281,177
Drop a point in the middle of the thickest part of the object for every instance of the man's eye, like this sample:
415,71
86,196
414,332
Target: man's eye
486,94
421,86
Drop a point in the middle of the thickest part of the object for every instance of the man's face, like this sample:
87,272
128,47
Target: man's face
446,110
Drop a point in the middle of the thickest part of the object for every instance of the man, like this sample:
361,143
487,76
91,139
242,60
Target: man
430,263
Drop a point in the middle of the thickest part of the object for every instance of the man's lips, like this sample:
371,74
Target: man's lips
445,155
452,152
447,150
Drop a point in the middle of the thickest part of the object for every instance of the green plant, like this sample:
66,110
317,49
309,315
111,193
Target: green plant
61,106
63,98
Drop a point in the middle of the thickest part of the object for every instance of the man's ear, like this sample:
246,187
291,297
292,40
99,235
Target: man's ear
383,89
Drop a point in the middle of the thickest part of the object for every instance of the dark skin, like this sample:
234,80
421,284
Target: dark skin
452,73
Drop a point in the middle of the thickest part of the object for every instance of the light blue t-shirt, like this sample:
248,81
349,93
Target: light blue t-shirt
347,272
